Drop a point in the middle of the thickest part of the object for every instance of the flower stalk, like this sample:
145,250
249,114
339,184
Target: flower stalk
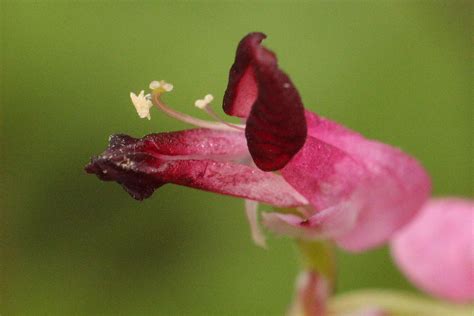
319,256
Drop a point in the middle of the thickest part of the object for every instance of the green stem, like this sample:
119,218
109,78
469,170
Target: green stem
319,256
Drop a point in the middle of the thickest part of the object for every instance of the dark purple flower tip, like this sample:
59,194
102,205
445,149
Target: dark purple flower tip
119,163
241,91
259,91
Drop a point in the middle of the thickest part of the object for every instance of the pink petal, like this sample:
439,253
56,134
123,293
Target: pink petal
251,210
384,186
257,88
198,158
436,249
324,174
328,223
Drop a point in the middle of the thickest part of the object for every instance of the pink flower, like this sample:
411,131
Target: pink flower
339,184
436,249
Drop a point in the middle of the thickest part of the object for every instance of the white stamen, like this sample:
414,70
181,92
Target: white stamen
189,119
167,87
203,103
154,85
142,104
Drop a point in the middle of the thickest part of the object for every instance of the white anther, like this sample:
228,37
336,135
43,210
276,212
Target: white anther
161,84
167,86
154,85
203,103
142,104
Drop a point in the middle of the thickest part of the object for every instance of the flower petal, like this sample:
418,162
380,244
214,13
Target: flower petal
436,249
329,223
198,158
251,210
260,91
241,91
384,186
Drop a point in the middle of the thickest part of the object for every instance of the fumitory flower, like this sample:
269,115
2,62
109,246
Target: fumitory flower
323,180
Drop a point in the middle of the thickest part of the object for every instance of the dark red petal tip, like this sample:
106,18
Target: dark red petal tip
241,91
260,91
120,163
276,127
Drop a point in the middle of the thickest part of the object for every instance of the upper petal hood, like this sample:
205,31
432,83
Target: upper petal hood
242,90
259,91
199,158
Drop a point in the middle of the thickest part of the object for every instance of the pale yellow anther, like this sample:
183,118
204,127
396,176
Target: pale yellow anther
203,103
142,104
167,87
160,86
154,85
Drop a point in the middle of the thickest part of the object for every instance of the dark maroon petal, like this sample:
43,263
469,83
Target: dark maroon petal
259,90
199,158
241,91
276,126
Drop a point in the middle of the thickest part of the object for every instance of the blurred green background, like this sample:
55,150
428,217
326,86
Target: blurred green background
398,71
